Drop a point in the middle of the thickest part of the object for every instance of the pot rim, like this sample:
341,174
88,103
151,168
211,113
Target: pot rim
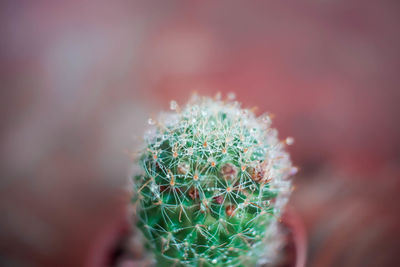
293,220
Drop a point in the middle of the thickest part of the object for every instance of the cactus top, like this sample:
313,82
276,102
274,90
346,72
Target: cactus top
213,180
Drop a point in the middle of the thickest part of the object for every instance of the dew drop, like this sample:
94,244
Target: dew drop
231,96
266,119
293,170
289,141
153,188
173,105
157,144
150,121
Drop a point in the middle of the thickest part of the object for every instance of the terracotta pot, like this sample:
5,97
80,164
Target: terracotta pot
295,249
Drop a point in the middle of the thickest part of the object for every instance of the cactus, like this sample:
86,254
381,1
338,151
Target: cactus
212,183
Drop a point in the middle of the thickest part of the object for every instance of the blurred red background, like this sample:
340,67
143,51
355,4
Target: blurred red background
80,79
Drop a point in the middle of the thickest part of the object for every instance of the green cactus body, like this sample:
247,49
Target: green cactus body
213,180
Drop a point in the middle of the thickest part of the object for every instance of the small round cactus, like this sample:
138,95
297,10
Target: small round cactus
212,183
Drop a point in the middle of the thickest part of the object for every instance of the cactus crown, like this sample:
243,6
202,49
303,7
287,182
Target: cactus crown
213,181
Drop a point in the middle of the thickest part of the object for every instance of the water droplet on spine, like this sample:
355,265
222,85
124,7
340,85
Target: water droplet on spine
150,121
173,105
231,96
266,119
293,170
289,141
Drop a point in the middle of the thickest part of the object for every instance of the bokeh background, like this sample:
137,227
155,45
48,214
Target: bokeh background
79,79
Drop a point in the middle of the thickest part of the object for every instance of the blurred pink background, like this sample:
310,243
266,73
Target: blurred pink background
80,79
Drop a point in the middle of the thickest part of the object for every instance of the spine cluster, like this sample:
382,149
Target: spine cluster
213,181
